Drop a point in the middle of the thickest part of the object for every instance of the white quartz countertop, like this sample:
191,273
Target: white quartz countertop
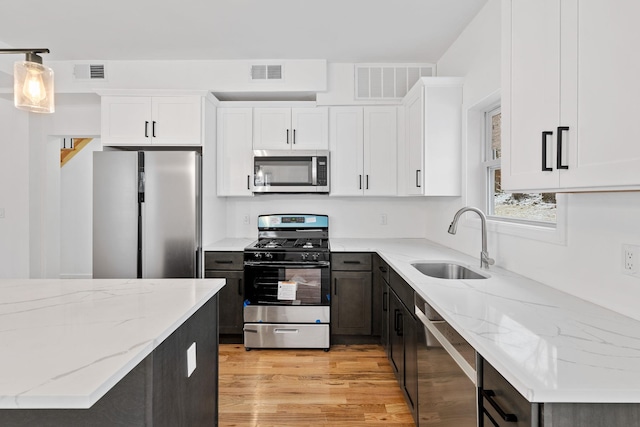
65,343
229,245
551,346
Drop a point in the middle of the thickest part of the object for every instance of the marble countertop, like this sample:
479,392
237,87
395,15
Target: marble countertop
551,346
65,343
229,245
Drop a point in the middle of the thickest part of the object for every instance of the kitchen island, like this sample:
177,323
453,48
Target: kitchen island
108,352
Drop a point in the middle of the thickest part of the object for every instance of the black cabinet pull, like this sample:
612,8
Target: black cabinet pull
294,136
489,395
385,298
224,261
360,182
287,136
396,312
418,178
400,324
382,269
248,182
146,129
351,261
559,164
240,288
545,134
367,180
153,128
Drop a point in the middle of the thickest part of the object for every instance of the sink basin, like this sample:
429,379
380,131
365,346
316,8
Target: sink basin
447,270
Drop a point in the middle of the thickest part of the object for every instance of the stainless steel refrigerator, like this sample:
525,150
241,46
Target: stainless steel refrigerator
146,214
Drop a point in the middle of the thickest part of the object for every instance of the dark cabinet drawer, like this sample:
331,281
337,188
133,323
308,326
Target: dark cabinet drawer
402,289
351,261
223,260
502,405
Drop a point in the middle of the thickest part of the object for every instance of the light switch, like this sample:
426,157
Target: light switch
191,359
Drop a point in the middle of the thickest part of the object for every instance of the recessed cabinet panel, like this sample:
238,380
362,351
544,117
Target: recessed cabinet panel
346,145
176,120
272,129
126,119
235,153
290,128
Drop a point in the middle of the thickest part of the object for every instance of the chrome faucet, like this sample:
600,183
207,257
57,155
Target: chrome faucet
485,261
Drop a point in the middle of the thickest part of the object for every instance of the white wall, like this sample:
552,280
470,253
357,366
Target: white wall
14,191
588,265
348,216
76,213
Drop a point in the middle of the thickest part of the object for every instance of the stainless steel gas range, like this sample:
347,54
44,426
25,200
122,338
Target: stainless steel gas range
287,281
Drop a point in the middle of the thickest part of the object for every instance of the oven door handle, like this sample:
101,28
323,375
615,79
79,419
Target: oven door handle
318,264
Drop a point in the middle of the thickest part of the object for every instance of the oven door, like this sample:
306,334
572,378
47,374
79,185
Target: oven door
286,284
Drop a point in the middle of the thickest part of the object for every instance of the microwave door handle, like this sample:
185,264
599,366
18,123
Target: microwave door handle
314,170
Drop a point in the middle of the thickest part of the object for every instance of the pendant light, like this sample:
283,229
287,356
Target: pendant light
32,82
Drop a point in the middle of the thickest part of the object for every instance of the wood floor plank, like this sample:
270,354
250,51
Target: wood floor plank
347,386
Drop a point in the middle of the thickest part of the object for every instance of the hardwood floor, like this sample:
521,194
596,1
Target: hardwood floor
347,386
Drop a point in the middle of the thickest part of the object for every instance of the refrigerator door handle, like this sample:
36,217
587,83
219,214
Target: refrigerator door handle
141,187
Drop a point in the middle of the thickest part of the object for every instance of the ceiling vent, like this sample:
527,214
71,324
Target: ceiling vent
266,72
83,72
388,81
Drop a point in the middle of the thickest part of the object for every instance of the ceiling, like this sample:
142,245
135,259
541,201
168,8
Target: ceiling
336,30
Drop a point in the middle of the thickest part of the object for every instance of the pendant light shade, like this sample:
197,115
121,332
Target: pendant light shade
33,87
32,82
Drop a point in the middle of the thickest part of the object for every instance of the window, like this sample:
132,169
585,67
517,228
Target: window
531,208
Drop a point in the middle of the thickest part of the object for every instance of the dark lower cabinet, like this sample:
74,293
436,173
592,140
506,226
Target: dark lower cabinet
379,299
157,392
403,340
229,266
351,294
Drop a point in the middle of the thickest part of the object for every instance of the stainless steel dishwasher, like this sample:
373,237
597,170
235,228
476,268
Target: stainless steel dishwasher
447,393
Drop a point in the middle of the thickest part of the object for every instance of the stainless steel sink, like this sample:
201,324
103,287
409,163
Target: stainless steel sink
447,270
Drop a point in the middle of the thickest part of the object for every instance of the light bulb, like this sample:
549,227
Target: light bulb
33,87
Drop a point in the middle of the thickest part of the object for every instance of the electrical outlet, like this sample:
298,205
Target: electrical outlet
630,259
383,219
246,220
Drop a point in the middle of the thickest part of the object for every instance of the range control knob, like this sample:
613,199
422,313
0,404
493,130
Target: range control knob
257,255
315,256
268,255
304,255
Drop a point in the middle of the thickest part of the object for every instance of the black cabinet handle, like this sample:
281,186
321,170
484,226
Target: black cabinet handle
418,178
351,261
382,269
240,288
287,136
559,164
248,182
545,134
400,324
396,312
146,129
153,128
224,261
360,182
294,136
489,395
385,298
367,186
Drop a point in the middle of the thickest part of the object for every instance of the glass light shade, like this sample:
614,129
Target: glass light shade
33,87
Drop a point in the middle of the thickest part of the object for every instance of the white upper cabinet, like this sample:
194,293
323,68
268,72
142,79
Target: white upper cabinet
146,120
570,89
235,152
290,128
431,147
363,144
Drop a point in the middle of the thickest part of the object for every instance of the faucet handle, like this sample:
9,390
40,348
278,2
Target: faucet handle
485,261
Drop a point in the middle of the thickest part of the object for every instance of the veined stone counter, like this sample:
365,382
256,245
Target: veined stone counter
551,346
66,343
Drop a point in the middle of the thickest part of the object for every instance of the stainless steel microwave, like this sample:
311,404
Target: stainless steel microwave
296,171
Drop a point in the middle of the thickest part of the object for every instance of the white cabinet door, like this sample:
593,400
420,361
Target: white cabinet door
603,146
346,145
176,120
531,93
570,64
126,120
235,154
380,151
272,129
414,143
310,128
